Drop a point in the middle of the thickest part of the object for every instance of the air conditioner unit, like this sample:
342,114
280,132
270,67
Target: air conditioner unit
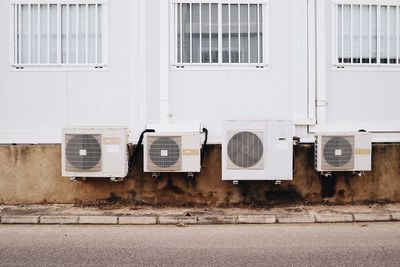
95,152
172,152
257,150
343,152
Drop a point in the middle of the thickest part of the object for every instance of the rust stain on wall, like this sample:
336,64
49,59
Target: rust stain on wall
31,174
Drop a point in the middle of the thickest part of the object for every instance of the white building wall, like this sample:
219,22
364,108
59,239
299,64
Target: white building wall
152,29
35,105
355,98
276,92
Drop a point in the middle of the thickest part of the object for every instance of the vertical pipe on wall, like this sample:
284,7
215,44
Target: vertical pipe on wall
142,54
320,71
311,60
164,62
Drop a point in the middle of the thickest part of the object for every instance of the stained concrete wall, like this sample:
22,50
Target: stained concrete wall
31,174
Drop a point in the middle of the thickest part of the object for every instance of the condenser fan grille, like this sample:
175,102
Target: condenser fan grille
164,153
83,152
245,150
338,152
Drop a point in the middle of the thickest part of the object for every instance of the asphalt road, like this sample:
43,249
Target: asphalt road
376,244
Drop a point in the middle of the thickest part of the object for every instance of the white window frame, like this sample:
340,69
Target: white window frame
15,66
220,65
378,66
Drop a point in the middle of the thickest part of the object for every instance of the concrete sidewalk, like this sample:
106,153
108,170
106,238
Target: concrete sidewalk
109,215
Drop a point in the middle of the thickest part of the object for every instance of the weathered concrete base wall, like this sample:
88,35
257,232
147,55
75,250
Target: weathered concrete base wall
31,174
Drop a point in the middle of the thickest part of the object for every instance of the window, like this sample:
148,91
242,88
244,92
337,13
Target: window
212,33
58,34
367,34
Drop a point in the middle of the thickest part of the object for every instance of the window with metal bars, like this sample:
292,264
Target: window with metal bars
367,34
58,34
219,32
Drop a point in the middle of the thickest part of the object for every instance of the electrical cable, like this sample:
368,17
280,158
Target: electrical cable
203,151
295,143
133,157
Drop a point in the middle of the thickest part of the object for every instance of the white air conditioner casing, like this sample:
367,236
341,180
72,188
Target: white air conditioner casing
95,152
257,150
172,152
343,152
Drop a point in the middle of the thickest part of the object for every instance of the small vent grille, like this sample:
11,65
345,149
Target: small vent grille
338,152
164,153
83,152
245,150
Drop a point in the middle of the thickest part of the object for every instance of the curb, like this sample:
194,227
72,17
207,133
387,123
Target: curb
20,219
173,220
59,219
203,220
396,216
256,219
372,217
296,218
137,220
217,220
334,218
98,220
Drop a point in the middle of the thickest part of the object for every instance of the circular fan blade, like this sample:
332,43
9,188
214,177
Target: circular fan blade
164,152
83,151
338,151
245,149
